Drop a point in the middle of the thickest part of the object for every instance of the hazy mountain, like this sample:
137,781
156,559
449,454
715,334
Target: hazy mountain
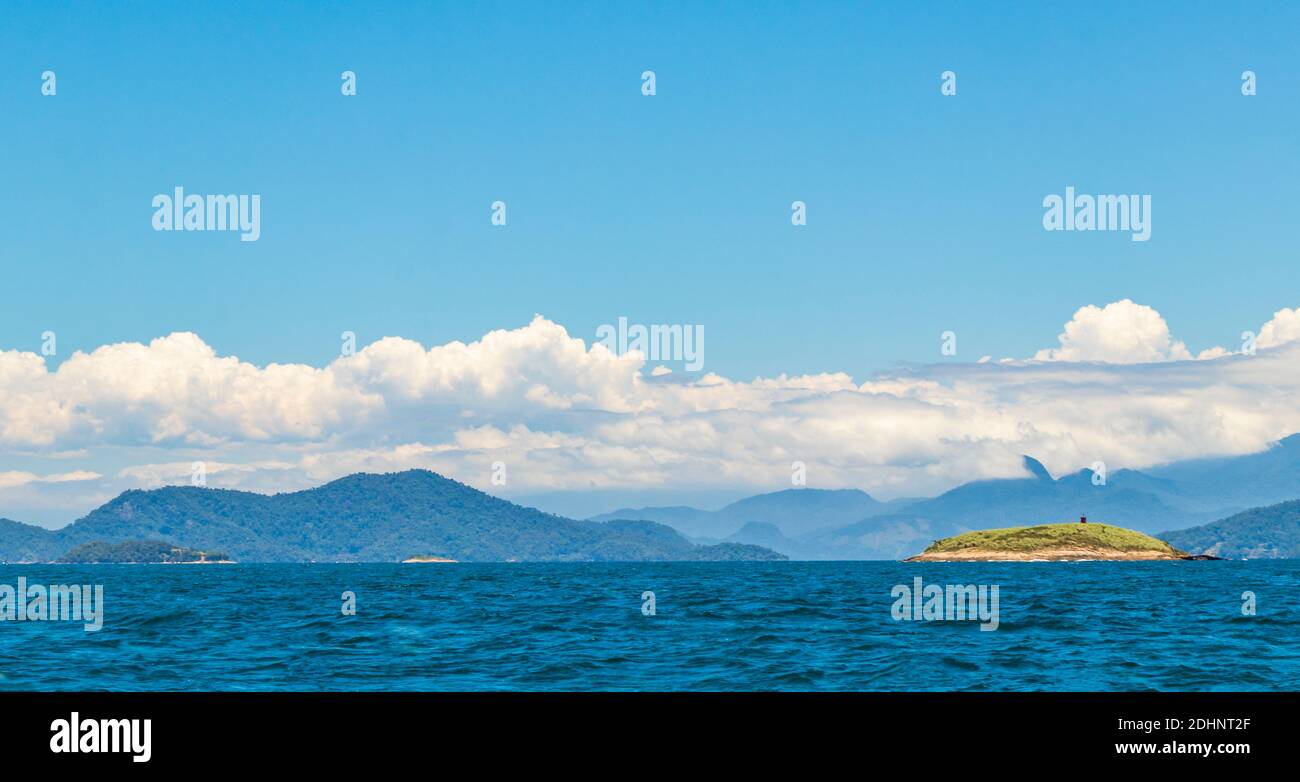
366,518
1259,533
1042,499
591,501
1168,498
793,511
1239,482
760,533
688,521
819,524
813,524
1127,498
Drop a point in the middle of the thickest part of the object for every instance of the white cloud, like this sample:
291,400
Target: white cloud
15,478
565,415
1122,332
1283,328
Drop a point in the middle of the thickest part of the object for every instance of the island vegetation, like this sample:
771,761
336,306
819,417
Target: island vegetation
1052,542
100,552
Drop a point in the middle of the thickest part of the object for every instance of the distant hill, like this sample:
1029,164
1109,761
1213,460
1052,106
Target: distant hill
793,511
361,518
136,551
760,533
1272,532
25,543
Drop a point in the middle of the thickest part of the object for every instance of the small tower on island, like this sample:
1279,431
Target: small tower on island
1083,519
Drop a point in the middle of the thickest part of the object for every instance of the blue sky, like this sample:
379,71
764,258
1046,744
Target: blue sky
924,215
923,211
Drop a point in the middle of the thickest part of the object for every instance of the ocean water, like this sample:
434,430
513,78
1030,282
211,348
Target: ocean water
717,626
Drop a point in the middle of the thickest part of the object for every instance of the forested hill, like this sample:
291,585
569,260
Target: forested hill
361,518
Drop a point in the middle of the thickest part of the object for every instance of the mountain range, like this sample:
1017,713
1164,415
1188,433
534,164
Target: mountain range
1225,507
818,524
361,518
794,511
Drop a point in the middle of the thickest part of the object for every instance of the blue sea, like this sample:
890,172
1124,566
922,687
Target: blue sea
716,626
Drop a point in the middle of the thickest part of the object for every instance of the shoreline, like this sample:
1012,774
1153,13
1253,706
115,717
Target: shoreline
1059,554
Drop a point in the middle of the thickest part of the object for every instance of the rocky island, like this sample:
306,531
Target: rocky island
1052,543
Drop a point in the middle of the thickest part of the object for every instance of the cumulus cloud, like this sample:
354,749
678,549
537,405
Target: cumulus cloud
1122,332
565,415
1283,328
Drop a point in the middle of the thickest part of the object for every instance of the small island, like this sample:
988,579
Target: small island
139,552
1051,543
426,558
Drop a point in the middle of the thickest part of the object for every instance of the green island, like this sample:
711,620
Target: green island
132,552
1050,542
427,558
